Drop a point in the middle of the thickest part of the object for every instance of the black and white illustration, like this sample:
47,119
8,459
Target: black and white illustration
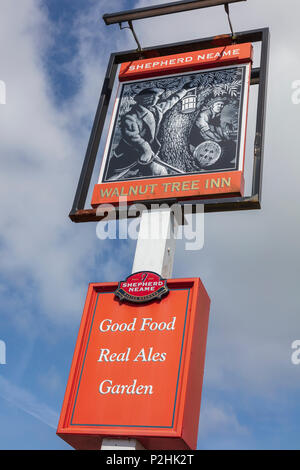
184,124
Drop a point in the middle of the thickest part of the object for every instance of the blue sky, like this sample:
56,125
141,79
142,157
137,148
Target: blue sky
53,58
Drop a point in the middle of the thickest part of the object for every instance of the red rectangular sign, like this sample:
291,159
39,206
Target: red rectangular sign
188,61
176,187
137,370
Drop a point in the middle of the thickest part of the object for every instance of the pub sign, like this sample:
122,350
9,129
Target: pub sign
137,369
178,128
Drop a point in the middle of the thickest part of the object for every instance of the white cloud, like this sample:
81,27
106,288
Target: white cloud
219,421
51,380
42,147
28,403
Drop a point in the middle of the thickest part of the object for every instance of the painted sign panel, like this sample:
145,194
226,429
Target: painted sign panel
185,128
137,369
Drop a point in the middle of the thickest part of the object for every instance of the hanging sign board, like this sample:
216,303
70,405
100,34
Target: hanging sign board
178,128
137,369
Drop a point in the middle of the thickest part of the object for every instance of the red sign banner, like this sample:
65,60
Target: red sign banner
189,61
176,187
137,369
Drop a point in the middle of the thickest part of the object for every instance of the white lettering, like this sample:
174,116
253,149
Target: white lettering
296,93
150,356
2,92
182,60
295,358
106,386
152,326
2,352
146,321
108,325
107,356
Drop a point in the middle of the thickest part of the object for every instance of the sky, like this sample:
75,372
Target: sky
53,56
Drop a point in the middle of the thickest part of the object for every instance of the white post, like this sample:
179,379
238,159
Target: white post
155,247
155,251
121,444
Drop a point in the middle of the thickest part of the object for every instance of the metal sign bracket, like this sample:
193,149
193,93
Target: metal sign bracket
130,26
226,6
258,77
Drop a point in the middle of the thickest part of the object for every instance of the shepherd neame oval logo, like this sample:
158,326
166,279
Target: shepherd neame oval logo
142,286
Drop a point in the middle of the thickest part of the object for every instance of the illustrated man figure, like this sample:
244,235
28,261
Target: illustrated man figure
135,154
208,127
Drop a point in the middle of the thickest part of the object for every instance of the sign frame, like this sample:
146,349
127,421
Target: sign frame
181,431
197,182
78,212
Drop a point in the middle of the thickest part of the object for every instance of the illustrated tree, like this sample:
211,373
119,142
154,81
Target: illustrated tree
176,125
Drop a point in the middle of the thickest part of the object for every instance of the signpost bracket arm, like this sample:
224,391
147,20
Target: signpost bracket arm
130,26
226,6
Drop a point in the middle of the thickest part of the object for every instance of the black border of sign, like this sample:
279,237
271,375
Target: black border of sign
258,77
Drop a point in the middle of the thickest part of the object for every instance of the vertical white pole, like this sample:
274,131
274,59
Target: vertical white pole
155,251
155,247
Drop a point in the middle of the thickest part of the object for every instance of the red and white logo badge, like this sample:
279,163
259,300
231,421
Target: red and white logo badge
142,287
